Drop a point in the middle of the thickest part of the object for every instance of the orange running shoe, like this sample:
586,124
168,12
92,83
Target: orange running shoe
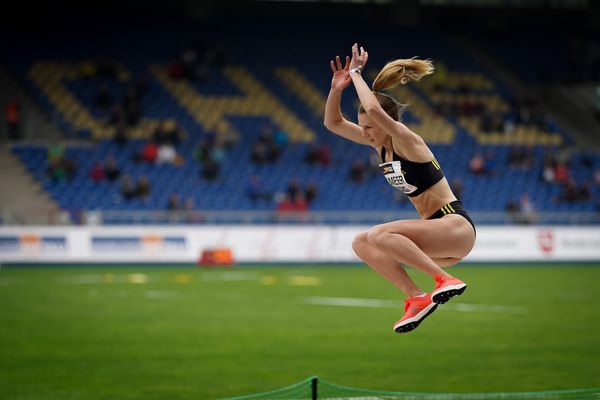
416,310
447,288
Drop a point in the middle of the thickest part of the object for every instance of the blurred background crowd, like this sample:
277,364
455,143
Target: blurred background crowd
141,113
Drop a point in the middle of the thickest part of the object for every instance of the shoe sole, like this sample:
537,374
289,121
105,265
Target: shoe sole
412,325
448,293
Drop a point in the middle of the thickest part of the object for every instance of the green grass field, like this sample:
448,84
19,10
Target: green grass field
187,333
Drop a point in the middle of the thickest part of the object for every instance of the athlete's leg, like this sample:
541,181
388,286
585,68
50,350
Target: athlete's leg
384,265
417,242
446,262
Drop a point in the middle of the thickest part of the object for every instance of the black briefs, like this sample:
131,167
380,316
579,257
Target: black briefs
455,207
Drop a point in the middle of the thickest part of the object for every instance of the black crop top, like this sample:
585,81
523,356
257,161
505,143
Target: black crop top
411,178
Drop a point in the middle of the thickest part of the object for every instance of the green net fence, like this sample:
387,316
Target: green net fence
315,388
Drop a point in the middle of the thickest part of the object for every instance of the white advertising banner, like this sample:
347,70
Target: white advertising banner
270,243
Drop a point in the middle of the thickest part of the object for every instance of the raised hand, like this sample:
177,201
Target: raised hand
341,77
359,58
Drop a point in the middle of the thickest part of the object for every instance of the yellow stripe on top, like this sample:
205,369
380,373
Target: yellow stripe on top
451,208
436,164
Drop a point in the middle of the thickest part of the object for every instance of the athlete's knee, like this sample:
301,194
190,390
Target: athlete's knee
359,243
377,235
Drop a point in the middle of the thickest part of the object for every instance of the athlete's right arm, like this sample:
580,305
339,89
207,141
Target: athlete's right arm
336,123
334,120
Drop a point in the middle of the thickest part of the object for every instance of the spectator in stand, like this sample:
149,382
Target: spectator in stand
312,156
293,189
111,169
520,158
259,154
166,154
97,173
561,173
324,155
56,170
357,171
516,156
59,166
149,152
585,191
272,151
477,164
189,211
318,154
548,171
570,192
284,204
218,151
513,210
255,190
508,125
281,138
188,204
527,209
311,192
128,189
143,187
287,205
300,204
210,169
173,202
266,133
203,150
56,151
172,132
160,136
12,116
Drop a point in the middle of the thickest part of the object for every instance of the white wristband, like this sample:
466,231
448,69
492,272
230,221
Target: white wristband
357,69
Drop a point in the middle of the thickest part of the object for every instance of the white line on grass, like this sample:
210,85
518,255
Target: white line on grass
162,295
380,303
352,302
81,279
229,276
485,308
10,281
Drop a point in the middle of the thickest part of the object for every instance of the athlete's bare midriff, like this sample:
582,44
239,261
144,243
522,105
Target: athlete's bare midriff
431,200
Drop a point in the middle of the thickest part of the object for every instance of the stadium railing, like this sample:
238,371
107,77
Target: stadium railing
162,217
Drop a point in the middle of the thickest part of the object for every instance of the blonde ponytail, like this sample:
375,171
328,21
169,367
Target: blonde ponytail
401,72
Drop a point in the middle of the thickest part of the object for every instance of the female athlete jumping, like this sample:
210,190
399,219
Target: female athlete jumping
445,234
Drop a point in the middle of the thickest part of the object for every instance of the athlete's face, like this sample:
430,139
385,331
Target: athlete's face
371,131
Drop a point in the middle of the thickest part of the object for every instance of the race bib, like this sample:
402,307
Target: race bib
393,173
